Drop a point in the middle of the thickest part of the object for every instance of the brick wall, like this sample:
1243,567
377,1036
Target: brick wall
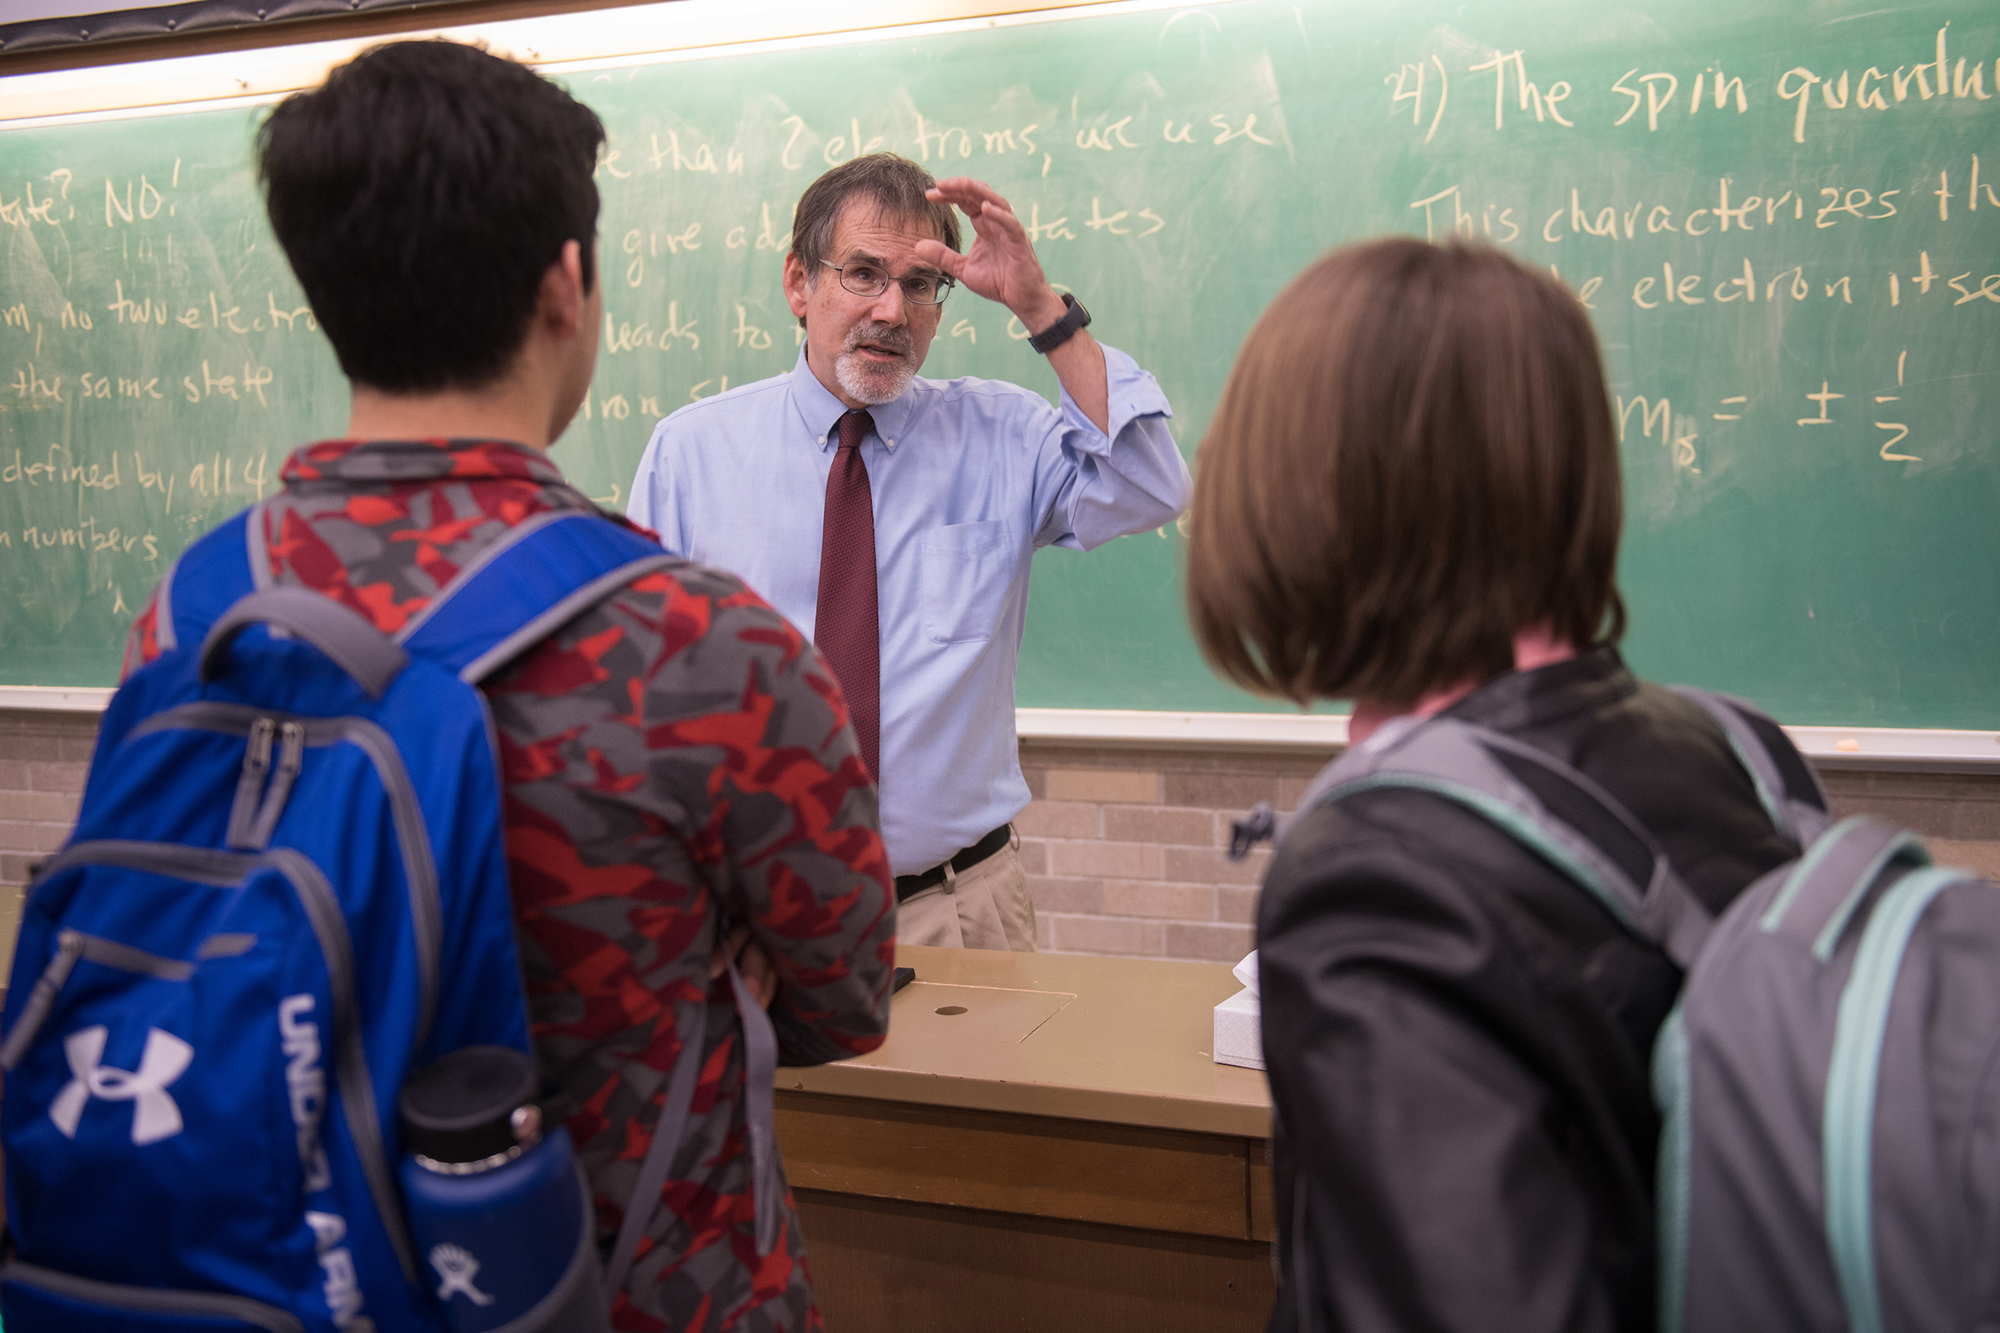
43,759
1125,848
1124,845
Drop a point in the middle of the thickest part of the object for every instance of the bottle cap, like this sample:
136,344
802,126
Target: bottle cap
463,1107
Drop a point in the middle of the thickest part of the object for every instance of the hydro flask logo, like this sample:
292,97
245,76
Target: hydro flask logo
154,1114
457,1267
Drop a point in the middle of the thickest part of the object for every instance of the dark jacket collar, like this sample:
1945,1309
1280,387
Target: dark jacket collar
1528,700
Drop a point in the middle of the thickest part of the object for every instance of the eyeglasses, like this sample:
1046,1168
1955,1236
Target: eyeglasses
865,279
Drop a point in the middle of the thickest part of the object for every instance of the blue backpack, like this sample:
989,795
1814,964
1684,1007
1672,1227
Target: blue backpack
287,888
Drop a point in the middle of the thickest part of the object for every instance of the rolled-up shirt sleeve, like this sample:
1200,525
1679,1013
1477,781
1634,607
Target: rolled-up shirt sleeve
1095,485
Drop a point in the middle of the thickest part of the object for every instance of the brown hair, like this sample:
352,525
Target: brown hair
1413,461
895,184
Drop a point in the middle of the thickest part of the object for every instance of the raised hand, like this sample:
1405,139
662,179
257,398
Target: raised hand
1001,266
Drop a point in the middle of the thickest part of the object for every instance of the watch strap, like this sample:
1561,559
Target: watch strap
1060,332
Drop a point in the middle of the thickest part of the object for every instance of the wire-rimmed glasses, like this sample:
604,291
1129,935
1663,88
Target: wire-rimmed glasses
866,279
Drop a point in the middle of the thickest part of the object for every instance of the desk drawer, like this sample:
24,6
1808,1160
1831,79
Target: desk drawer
1076,1170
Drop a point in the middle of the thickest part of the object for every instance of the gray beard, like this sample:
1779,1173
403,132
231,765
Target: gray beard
866,382
869,384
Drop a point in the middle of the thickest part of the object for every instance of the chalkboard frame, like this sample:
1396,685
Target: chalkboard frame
574,43
1904,749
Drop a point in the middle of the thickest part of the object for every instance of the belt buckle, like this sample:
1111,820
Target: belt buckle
947,871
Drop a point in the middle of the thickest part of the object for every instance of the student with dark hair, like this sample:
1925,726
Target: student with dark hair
675,758
895,518
420,195
1410,498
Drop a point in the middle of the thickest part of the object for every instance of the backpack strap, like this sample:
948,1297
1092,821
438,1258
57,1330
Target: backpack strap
760,1082
1786,784
760,1067
1826,887
524,586
538,576
225,566
334,629
1848,1120
667,1132
1548,807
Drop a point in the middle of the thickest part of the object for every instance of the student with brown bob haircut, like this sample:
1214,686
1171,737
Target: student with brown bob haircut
1410,498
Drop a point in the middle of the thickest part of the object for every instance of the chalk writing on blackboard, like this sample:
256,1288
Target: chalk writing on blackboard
1786,229
1654,99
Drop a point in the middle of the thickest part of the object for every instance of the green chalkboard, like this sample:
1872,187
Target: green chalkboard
1785,217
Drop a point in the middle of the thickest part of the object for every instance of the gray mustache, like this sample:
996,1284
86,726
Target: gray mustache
882,335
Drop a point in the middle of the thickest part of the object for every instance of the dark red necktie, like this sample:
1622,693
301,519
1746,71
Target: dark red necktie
847,628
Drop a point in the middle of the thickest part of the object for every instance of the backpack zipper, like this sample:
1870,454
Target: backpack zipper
250,786
72,945
412,837
291,757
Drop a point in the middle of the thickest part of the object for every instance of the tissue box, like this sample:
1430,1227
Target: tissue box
1238,1040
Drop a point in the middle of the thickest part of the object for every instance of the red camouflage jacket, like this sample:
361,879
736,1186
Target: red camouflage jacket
675,754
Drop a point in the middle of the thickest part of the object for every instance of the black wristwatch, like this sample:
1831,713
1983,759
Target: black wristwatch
1060,332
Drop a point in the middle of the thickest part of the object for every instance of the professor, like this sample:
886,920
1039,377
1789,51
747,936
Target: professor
893,518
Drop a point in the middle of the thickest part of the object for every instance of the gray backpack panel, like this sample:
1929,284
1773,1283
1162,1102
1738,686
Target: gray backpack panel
1777,1148
1830,1154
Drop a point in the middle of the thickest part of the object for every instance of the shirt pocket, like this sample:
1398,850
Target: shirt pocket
967,568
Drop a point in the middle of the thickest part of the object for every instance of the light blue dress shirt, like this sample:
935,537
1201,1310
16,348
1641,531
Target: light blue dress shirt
968,476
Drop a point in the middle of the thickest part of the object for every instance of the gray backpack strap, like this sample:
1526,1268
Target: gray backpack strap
1852,1113
1827,885
1355,761
760,1068
360,649
1512,785
760,1081
1786,784
667,1133
164,633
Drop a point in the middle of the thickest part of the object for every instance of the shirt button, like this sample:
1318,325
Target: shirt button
822,439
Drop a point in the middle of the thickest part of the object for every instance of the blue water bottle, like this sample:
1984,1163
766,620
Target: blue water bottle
499,1210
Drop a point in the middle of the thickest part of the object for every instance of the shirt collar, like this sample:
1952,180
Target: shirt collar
418,460
819,410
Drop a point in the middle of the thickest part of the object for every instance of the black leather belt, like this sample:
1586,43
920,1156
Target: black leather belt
909,886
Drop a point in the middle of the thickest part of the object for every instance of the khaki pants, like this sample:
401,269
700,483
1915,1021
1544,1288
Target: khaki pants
987,907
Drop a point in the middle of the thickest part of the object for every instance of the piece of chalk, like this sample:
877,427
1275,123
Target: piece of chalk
1850,746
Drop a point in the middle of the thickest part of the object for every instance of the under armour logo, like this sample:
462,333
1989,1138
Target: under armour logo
154,1115
457,1267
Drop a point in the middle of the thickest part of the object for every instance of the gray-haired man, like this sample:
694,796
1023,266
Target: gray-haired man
893,517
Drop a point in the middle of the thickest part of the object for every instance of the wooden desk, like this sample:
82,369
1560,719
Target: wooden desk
1044,1143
